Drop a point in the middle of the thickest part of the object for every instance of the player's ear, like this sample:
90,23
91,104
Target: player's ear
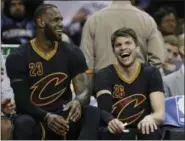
40,22
113,50
137,49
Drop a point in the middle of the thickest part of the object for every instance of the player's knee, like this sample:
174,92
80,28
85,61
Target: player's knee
24,121
156,135
6,129
91,110
23,127
104,134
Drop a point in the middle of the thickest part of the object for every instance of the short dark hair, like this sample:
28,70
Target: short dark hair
162,12
41,10
124,32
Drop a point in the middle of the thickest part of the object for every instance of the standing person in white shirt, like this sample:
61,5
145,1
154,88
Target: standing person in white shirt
174,83
99,27
7,103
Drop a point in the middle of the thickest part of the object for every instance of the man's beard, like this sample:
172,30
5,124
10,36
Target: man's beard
18,16
50,35
126,66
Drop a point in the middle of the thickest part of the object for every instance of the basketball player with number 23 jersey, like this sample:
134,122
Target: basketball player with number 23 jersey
41,72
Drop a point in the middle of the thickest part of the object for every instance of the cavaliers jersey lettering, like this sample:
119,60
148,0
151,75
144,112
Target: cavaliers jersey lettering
130,96
39,94
48,75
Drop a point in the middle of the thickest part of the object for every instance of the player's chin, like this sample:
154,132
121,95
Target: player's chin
58,37
127,64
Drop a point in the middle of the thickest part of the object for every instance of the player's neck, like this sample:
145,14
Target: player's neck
43,44
127,71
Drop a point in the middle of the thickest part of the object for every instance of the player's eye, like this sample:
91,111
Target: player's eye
118,45
175,54
169,50
128,42
57,19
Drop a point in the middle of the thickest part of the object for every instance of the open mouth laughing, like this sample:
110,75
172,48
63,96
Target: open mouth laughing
125,55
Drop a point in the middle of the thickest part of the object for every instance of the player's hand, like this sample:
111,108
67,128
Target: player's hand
57,124
8,106
75,110
147,125
116,126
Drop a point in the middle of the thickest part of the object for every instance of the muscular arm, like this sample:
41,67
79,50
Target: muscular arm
156,96
158,113
81,75
82,88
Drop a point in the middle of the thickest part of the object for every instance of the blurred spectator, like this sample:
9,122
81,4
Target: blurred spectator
74,29
16,28
6,90
2,7
178,5
180,27
7,103
172,60
31,6
99,27
166,20
143,3
174,83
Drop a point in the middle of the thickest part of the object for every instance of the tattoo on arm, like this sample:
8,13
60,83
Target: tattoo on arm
83,87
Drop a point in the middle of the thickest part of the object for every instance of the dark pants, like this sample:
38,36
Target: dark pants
133,134
27,128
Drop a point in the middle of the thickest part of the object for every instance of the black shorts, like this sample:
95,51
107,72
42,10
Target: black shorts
27,128
133,134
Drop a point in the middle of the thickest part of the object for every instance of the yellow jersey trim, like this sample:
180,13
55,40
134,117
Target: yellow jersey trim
131,79
43,131
41,53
